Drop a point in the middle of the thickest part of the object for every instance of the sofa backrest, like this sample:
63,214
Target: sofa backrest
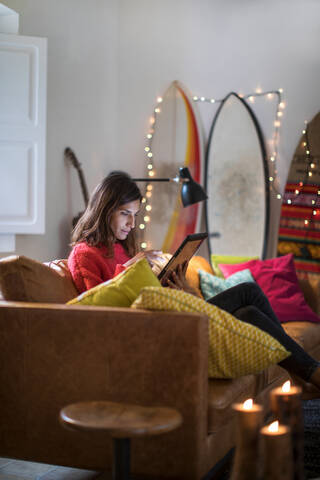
26,280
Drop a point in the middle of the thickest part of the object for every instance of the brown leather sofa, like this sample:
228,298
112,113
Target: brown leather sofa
52,355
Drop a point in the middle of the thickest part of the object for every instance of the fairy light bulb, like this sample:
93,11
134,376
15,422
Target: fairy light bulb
202,99
310,174
277,123
286,386
308,152
150,154
195,99
306,222
272,159
280,114
296,192
146,149
289,201
146,218
148,194
270,96
314,212
313,202
142,226
149,135
312,165
152,120
151,174
258,90
143,200
279,196
149,187
157,110
282,105
270,179
251,99
148,208
212,100
280,90
304,132
143,245
159,99
150,166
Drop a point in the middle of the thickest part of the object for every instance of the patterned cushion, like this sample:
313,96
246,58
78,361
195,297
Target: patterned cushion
121,290
212,285
236,348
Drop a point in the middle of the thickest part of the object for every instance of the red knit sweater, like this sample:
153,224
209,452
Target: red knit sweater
90,266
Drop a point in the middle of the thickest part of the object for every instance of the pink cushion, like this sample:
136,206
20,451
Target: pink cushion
278,279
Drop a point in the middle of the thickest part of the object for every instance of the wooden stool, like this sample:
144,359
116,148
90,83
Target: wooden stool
121,421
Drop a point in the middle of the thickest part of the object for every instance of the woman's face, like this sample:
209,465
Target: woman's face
123,219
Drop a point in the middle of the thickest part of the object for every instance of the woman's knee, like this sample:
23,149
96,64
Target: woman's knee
251,287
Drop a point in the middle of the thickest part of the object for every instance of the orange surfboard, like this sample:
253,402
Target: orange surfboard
177,142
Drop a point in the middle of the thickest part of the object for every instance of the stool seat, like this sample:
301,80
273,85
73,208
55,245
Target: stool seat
119,419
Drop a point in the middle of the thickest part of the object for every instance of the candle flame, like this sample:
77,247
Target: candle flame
274,426
247,405
286,387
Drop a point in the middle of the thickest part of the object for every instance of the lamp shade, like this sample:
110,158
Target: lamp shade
191,191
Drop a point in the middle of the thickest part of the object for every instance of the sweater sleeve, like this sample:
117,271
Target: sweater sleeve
85,268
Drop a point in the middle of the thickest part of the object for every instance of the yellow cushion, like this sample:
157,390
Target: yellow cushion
229,259
121,290
236,348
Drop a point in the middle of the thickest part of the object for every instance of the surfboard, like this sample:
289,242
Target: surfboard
299,230
176,142
237,211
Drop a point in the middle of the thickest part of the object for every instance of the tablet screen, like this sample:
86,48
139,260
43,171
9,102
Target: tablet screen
184,253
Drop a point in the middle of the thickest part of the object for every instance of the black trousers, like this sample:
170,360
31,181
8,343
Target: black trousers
247,302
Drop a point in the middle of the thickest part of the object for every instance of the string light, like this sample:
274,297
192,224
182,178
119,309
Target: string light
251,97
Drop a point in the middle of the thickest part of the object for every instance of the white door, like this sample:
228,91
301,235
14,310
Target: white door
23,72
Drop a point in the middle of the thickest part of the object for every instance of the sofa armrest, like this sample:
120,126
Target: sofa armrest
52,355
311,291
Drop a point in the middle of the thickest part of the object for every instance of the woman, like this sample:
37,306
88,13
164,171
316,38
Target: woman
104,244
104,240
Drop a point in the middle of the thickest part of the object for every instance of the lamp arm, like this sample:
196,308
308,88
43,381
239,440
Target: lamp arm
152,179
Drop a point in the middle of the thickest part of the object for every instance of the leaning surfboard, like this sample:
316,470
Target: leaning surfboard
237,211
176,142
299,231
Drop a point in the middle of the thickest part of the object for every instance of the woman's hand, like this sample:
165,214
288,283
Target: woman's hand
151,255
178,281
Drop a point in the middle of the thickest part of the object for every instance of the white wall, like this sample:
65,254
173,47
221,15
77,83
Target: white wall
108,61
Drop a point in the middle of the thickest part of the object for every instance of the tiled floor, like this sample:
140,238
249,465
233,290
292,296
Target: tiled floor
19,470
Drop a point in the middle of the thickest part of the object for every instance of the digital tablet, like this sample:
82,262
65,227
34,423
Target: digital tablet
187,249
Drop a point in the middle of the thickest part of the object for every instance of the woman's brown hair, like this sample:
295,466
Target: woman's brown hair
94,226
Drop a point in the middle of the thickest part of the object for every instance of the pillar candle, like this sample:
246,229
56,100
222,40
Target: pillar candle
276,452
286,405
248,421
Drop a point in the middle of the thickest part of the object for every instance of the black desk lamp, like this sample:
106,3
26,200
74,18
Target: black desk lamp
191,191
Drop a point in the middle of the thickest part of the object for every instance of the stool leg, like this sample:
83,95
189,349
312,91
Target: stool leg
121,459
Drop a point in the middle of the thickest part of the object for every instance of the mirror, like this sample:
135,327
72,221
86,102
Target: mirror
237,212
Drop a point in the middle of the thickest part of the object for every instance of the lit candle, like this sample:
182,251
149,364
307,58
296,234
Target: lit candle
286,404
277,461
248,421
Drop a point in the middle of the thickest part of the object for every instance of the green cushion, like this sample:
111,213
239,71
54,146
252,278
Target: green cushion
230,259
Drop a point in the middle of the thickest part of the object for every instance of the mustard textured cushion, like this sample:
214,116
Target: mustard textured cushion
236,348
121,290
